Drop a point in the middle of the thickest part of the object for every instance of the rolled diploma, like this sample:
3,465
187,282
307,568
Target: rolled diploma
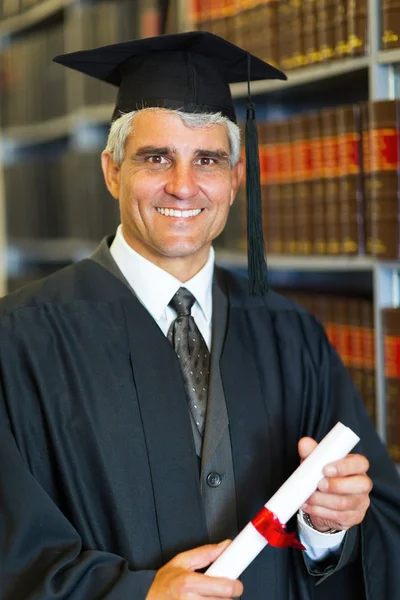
286,502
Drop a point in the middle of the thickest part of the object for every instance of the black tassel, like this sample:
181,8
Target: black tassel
257,266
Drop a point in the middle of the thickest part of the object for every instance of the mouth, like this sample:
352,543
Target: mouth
180,214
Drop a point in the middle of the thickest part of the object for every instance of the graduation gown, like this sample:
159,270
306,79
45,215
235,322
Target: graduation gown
99,482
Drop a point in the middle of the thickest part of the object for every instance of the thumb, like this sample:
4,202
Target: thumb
200,557
306,446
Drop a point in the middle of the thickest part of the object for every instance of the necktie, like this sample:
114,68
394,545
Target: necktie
193,354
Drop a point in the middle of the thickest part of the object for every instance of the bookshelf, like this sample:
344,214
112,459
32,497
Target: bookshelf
84,124
31,16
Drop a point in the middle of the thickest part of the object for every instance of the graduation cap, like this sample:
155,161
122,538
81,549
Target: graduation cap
190,72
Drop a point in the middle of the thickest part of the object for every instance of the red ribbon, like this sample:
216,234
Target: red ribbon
269,526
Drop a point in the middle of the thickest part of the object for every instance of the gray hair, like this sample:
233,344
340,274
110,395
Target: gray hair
122,127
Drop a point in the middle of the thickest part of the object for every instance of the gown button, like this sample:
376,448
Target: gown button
214,479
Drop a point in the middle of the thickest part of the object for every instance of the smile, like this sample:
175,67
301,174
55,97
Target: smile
170,212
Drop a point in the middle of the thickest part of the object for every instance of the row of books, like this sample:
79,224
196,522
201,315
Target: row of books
59,197
349,326
288,33
11,8
391,340
330,181
33,88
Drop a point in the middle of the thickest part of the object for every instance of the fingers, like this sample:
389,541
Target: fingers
306,446
336,503
356,484
352,464
200,557
203,585
178,580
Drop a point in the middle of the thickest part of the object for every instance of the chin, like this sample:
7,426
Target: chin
182,250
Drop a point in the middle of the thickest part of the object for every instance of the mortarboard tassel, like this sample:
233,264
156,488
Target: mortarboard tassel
257,267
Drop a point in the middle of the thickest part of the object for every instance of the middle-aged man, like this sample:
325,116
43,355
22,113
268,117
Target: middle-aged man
150,405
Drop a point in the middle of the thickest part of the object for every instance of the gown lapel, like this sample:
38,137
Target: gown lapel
257,431
166,424
216,416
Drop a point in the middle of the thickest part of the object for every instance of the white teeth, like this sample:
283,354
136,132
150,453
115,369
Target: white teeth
170,212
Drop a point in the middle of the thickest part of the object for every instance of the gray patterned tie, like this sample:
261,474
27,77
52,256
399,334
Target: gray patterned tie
193,354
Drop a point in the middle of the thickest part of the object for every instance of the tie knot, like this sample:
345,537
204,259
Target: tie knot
182,302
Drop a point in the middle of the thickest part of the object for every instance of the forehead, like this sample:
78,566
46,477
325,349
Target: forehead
161,128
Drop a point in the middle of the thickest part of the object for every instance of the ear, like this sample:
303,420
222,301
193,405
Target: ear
237,178
111,174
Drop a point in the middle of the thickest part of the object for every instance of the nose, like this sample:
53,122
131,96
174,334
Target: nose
182,182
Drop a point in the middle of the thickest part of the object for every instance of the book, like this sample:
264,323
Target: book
382,179
350,179
302,183
342,49
270,182
317,183
332,200
326,30
391,343
310,32
390,19
357,27
286,188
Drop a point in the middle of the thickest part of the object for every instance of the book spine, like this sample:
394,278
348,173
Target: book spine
310,28
302,179
390,24
391,342
357,23
368,340
331,188
384,179
287,189
342,49
350,181
285,35
342,335
271,185
269,43
356,346
296,18
318,210
326,32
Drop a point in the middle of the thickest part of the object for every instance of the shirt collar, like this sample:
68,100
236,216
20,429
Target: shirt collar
155,287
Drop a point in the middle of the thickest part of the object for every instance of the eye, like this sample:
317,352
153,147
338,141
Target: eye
157,160
206,161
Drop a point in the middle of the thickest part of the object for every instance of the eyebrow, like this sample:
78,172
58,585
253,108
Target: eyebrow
165,150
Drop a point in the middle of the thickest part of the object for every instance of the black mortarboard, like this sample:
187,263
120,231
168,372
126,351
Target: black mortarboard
191,72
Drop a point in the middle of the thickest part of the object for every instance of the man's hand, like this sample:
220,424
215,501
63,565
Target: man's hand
342,498
177,579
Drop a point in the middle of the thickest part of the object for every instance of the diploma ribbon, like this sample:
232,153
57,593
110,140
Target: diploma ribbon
269,526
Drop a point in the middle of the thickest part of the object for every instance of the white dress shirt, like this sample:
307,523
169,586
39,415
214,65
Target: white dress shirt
155,288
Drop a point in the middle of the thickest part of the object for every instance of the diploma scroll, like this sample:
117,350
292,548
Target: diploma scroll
286,501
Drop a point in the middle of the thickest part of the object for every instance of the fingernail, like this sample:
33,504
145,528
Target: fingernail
323,485
330,471
223,543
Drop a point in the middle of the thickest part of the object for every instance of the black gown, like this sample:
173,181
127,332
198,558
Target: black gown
99,481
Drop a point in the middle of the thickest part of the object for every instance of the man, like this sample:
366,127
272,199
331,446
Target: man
129,452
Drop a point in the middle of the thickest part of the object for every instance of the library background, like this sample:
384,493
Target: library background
329,154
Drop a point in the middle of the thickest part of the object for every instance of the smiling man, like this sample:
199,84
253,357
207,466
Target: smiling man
150,404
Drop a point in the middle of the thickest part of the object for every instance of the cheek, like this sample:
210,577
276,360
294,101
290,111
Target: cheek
140,190
217,189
